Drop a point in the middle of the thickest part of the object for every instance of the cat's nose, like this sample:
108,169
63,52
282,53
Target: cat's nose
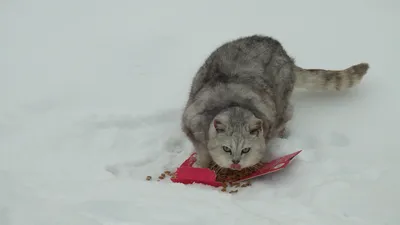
235,161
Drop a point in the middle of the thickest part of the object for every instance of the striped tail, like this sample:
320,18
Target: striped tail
338,80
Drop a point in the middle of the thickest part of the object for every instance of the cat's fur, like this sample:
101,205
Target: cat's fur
239,99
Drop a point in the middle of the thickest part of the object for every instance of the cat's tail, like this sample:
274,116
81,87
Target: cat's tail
320,79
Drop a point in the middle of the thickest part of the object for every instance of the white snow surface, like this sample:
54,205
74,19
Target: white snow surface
91,92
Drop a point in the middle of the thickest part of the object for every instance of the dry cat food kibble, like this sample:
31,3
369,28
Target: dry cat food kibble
230,175
246,184
162,175
235,186
168,173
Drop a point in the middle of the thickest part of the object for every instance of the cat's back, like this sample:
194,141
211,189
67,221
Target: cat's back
245,60
246,54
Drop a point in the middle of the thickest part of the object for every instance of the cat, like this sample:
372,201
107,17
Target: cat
239,99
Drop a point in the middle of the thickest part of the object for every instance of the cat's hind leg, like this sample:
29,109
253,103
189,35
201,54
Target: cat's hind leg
281,129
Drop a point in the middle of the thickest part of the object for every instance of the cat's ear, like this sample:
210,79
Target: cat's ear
219,126
255,126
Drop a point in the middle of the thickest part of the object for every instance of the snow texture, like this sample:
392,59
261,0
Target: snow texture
91,92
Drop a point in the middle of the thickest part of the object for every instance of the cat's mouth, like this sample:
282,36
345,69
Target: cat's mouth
235,166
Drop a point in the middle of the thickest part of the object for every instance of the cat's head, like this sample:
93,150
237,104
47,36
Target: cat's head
236,139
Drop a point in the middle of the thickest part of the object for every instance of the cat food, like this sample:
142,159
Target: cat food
233,187
230,175
229,178
168,173
246,184
162,176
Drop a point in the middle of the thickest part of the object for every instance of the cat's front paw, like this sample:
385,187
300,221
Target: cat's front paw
196,165
201,163
284,133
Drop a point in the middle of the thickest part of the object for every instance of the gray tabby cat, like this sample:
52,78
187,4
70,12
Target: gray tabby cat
240,99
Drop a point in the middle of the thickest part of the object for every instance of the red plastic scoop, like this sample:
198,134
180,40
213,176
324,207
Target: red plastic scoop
187,174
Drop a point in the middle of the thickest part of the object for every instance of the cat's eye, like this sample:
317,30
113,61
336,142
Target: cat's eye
245,150
226,149
219,130
254,132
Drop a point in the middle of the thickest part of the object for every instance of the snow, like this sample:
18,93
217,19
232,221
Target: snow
91,94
